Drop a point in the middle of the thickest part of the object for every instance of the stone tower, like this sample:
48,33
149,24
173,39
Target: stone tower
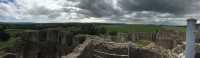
190,38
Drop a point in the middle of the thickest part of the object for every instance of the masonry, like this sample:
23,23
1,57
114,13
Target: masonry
54,43
48,43
117,50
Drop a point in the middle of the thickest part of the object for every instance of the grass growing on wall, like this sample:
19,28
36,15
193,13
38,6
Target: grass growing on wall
142,43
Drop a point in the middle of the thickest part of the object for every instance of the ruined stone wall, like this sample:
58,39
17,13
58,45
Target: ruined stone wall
117,50
164,39
143,36
167,39
180,36
53,43
153,36
48,43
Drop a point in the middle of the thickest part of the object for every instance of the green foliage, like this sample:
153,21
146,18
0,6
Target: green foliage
113,33
4,36
142,43
91,29
8,44
73,29
12,39
2,28
174,28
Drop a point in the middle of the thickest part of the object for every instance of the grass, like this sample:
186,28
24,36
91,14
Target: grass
132,28
11,42
141,28
7,44
142,43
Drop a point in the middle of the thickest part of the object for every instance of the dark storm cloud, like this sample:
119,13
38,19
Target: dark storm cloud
104,8
122,11
163,6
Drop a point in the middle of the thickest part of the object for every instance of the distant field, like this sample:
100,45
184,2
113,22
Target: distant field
141,28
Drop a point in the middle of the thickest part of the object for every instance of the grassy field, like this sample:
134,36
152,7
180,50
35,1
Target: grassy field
11,42
141,28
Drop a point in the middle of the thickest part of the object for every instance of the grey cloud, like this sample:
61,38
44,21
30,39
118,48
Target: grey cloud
86,13
164,6
44,11
124,11
98,7
105,8
39,11
132,11
54,15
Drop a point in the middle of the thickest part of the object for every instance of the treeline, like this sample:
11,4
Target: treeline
92,29
38,26
76,28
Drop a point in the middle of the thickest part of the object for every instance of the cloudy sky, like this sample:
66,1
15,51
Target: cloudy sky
172,12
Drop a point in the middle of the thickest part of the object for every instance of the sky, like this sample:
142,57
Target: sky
167,12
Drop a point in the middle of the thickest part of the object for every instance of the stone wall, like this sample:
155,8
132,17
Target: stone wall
54,43
118,50
48,43
165,39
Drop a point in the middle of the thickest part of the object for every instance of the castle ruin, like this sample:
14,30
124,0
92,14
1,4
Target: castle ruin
48,43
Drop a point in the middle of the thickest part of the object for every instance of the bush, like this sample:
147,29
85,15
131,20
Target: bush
113,33
90,29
